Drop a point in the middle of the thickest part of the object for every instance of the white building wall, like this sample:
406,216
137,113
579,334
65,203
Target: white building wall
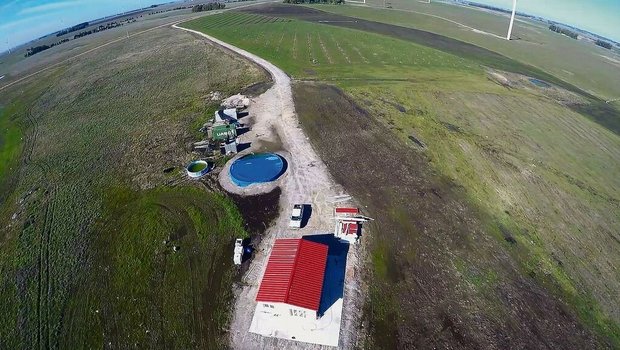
291,312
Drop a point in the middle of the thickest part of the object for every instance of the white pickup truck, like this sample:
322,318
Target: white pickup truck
238,254
297,216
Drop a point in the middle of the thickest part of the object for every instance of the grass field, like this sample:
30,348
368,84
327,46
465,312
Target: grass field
89,217
487,192
310,51
145,293
585,65
10,145
596,109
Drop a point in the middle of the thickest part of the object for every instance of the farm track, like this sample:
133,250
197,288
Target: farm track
45,268
307,181
44,287
359,53
310,52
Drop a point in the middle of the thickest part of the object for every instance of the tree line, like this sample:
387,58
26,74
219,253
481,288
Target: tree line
314,1
72,29
36,49
208,7
102,27
574,35
604,44
564,31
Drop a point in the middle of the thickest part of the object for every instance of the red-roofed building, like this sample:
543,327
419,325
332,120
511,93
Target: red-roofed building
349,223
293,280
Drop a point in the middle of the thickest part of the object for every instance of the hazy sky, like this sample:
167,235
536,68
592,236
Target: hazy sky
597,16
24,20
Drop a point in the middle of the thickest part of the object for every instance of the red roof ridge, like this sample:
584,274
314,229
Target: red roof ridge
290,280
305,252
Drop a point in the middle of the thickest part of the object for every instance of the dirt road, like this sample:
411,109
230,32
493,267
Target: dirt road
307,181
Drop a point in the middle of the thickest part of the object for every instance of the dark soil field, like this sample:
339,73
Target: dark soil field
258,211
603,114
442,276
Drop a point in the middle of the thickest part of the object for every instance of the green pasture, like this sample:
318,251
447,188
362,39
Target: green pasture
321,52
585,65
83,263
163,272
10,142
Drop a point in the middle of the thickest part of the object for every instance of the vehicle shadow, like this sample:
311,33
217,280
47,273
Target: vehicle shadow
307,213
243,146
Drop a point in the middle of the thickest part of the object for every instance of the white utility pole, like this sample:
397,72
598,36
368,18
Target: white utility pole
512,18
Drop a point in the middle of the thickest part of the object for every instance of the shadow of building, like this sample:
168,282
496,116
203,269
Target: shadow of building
333,281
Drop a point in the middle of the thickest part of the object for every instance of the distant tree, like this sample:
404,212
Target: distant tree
73,29
604,44
208,7
564,31
36,49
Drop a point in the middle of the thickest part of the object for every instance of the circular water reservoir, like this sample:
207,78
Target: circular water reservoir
539,83
257,168
197,168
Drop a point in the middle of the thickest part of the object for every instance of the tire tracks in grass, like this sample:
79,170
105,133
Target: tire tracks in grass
324,49
342,52
45,269
280,42
295,46
359,53
313,59
44,288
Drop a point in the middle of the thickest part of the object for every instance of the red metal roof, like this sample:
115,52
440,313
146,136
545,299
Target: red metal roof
294,273
347,210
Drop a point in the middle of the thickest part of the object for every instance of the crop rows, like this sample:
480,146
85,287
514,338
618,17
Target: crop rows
297,45
235,19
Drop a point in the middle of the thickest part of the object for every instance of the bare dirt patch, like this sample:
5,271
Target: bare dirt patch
258,211
520,81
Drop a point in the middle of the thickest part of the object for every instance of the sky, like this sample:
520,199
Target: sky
25,20
601,17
